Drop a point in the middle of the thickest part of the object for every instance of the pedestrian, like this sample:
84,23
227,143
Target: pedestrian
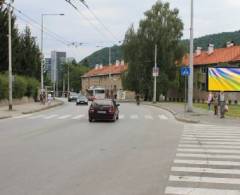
222,104
215,103
49,98
209,100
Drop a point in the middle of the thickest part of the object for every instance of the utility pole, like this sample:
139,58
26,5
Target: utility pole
68,80
42,56
10,55
190,80
110,65
155,77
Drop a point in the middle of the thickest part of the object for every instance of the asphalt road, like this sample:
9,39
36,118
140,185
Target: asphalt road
60,152
146,152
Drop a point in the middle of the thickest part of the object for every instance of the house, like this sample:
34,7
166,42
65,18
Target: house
108,77
228,56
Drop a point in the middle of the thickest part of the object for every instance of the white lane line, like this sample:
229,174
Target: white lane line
209,151
205,179
22,116
199,191
207,146
208,156
212,136
148,117
78,117
210,143
51,116
209,139
134,116
64,117
207,162
121,116
205,170
162,117
36,116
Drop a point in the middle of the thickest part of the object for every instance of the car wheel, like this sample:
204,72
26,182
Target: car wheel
117,117
90,120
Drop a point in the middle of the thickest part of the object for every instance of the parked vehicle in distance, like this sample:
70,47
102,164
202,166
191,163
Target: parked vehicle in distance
72,96
81,100
96,93
105,109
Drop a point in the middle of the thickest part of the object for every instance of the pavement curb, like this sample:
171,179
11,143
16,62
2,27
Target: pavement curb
175,114
45,108
5,117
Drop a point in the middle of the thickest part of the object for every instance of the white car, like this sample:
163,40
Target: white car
82,100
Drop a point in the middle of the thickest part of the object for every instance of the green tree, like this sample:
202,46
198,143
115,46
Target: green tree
161,26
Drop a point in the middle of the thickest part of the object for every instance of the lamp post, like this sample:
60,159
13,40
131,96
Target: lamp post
42,62
190,80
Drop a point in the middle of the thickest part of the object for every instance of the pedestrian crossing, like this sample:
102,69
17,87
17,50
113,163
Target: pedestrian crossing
207,162
79,116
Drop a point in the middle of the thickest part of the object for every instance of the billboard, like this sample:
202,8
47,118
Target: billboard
224,79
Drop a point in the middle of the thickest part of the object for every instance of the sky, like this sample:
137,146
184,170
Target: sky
210,16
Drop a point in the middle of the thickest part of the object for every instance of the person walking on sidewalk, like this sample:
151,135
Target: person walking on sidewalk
209,101
222,103
215,103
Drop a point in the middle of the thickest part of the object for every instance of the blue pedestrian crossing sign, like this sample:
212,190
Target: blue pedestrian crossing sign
185,71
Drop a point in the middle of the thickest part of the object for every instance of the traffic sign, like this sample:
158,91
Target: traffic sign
155,72
185,71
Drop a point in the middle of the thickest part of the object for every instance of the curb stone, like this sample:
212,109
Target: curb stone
5,117
45,108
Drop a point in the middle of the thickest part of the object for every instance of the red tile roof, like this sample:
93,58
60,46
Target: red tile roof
106,70
222,55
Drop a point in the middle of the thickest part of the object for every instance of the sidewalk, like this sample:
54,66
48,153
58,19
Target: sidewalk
26,108
198,116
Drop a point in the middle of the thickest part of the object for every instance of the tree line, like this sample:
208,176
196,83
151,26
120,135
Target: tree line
26,55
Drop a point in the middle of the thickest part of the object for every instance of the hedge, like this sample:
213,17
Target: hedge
22,86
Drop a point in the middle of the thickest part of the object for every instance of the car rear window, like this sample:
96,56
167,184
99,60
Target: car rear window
103,102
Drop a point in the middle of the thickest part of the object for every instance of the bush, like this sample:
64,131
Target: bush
32,87
19,87
3,86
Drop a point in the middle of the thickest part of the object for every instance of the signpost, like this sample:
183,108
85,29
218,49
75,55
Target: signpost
185,72
155,72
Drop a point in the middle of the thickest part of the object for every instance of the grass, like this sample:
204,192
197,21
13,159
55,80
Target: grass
234,110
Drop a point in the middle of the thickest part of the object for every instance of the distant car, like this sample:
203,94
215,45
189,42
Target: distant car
82,100
103,110
72,97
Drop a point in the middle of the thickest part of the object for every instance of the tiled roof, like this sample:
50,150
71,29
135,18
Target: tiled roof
106,70
222,55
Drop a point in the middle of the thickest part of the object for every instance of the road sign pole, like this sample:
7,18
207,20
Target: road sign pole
155,78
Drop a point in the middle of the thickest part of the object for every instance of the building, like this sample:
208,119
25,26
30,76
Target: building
58,59
108,77
48,65
228,56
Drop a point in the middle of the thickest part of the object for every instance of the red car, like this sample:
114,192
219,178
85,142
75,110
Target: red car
103,110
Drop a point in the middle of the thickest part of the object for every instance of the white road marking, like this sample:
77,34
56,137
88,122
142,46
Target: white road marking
210,143
36,116
206,170
51,116
121,116
208,156
205,179
209,151
207,162
23,116
207,146
162,117
148,117
78,116
64,117
199,191
134,116
209,139
212,136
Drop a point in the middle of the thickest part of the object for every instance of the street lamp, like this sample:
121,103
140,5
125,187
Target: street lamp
42,62
190,80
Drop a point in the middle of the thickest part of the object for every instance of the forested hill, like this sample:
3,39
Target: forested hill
219,40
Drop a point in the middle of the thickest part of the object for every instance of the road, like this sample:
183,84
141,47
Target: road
146,152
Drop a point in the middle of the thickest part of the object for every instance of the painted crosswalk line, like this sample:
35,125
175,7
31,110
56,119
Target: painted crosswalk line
162,117
134,116
207,155
199,191
36,116
148,117
121,116
78,116
22,116
64,116
50,116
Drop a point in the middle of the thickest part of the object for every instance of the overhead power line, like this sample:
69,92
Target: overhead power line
98,19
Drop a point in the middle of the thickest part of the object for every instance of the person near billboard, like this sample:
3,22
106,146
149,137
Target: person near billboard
215,103
209,101
222,103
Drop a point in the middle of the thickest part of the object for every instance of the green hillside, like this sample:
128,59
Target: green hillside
219,41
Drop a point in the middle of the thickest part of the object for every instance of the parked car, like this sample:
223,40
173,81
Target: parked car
103,110
72,96
82,100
